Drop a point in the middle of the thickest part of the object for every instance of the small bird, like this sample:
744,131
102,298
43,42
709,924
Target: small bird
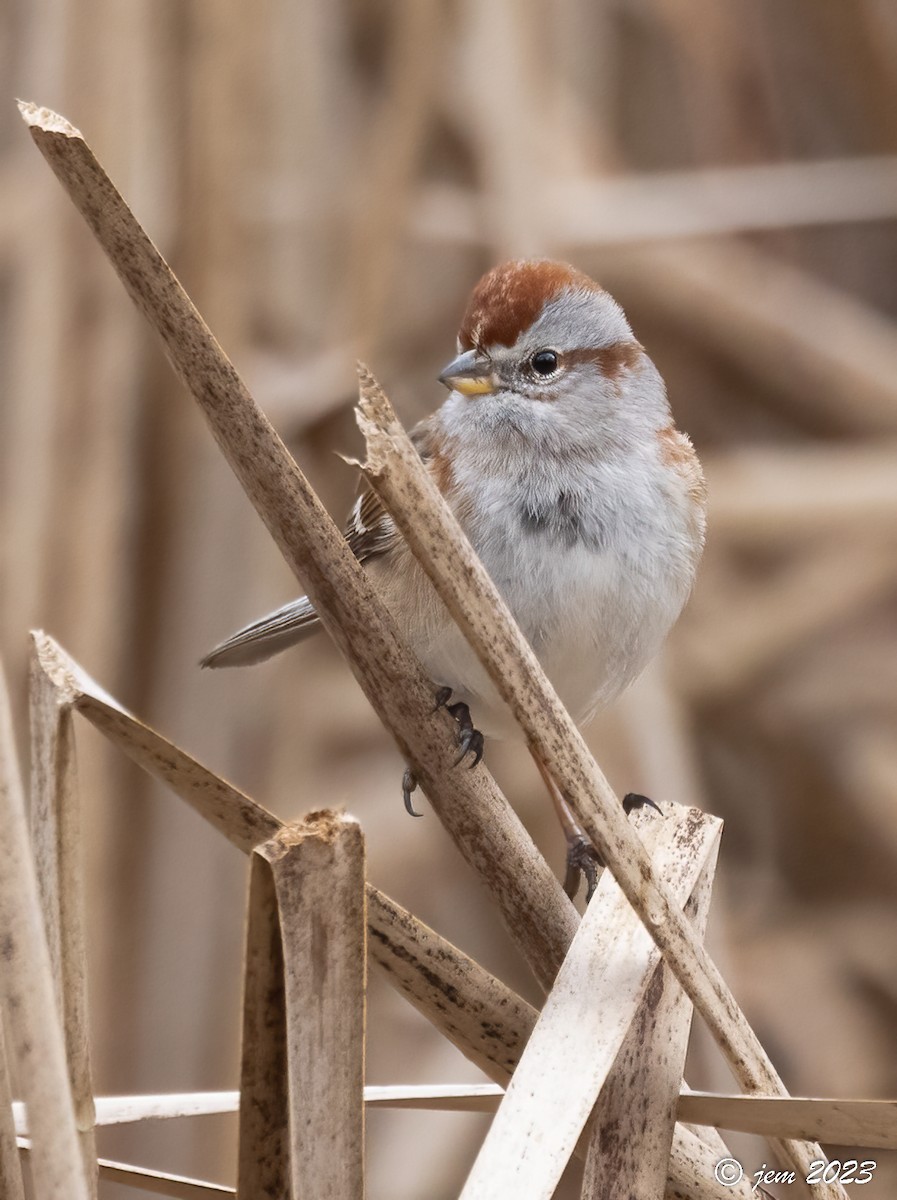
558,454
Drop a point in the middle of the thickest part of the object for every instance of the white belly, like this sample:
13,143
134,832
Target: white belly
593,620
594,600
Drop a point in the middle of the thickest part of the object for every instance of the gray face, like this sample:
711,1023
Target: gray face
600,390
571,331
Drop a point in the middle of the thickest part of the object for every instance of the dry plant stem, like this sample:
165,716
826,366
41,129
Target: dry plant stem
487,831
57,842
155,1183
317,867
599,993
815,342
395,471
35,1044
130,1110
11,1185
483,1018
630,1144
478,1013
869,1123
862,1123
241,820
263,1167
770,495
160,1183
491,1025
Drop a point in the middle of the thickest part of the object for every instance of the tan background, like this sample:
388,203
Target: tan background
329,178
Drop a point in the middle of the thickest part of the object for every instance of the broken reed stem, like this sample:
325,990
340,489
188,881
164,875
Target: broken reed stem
483,825
58,856
302,1074
263,1160
630,1144
35,1044
317,866
611,973
491,1025
478,1013
396,473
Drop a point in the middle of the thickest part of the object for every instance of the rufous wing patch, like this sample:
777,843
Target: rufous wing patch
677,452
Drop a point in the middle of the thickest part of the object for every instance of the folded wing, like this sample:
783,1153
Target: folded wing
369,532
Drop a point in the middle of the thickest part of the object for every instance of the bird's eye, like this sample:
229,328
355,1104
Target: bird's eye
544,362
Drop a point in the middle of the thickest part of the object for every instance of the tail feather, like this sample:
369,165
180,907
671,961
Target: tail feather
266,637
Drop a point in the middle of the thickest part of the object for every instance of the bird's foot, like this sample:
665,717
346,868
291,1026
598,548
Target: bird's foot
470,740
584,861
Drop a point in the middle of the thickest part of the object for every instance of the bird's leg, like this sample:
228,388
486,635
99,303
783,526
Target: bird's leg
583,860
582,857
469,738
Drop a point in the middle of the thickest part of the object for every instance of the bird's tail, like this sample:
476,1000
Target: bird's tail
266,636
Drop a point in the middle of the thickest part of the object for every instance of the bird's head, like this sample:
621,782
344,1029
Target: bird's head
542,343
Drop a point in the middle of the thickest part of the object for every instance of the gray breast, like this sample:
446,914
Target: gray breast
564,517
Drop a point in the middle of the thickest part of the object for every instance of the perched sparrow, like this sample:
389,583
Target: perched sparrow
557,452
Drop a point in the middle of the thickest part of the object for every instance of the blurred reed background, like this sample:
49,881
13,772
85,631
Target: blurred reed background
328,178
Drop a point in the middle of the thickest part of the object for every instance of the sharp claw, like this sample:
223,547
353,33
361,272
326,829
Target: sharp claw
477,745
470,741
571,879
469,738
633,800
409,785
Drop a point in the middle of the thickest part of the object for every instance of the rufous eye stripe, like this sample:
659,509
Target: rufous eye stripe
611,360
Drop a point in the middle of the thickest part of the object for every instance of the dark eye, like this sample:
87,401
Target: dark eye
544,362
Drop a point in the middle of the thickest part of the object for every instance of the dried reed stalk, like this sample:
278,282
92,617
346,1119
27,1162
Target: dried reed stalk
630,1144
11,1184
729,650
769,494
480,820
263,1161
478,1013
491,1025
244,822
861,1123
58,855
610,982
302,1075
157,1183
864,1123
643,206
317,868
397,474
812,341
34,1037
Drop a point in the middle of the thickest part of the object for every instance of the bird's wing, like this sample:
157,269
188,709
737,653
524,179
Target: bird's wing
370,529
369,532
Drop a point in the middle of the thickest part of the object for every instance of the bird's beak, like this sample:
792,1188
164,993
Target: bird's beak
470,374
